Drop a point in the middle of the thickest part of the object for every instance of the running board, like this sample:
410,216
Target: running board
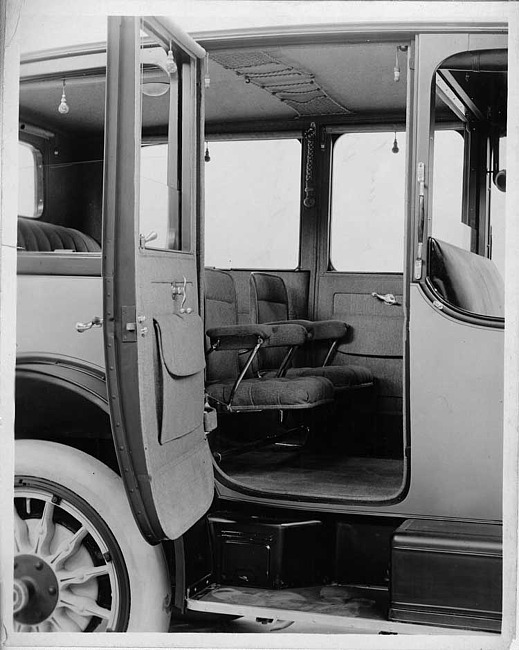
349,615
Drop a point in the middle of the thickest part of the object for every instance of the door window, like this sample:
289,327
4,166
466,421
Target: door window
165,220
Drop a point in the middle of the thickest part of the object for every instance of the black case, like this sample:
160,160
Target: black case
264,552
362,551
447,574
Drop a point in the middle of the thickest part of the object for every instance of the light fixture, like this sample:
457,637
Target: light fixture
395,148
170,66
63,107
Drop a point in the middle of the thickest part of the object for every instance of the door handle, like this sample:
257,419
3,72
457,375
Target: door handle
179,289
95,322
144,239
387,298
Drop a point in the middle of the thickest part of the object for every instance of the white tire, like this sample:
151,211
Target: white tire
81,563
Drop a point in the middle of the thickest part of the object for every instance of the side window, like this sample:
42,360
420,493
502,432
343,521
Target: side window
252,198
368,210
30,181
448,190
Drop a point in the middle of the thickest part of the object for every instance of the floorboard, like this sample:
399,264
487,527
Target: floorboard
305,473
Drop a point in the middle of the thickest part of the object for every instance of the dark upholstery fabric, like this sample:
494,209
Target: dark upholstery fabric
220,310
268,302
269,298
340,376
40,236
325,330
276,393
235,337
466,280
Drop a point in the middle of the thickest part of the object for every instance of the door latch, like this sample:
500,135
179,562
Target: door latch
95,322
144,239
179,290
387,298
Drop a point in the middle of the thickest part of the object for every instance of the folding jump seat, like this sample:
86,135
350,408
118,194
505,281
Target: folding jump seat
231,385
270,304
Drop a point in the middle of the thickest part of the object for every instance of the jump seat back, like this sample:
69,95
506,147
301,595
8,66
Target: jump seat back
269,303
220,309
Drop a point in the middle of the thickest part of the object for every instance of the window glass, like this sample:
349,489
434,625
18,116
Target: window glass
161,187
368,211
154,194
448,190
30,181
252,194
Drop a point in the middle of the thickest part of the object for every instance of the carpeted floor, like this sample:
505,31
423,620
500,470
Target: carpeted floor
304,473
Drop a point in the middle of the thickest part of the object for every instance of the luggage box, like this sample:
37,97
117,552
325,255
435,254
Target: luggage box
362,551
447,574
264,552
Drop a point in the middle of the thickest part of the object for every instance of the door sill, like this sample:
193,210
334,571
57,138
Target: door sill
353,608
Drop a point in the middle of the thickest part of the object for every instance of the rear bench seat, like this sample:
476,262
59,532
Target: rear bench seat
466,280
40,236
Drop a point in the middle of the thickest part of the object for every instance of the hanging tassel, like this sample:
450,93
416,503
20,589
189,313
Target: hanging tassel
395,148
63,107
207,156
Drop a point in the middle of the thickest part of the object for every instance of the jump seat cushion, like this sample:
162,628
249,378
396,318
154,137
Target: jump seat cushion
276,393
345,377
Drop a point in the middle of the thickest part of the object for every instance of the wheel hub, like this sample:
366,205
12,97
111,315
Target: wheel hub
36,589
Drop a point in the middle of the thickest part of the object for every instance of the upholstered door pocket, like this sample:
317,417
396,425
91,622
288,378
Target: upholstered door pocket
180,342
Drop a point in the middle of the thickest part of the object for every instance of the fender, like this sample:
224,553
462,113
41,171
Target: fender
74,375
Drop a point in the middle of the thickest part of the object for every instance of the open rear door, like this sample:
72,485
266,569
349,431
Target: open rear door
153,330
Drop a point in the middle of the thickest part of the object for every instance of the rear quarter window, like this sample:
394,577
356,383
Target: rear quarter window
30,181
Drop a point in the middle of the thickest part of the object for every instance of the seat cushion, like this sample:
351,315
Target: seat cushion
277,393
341,377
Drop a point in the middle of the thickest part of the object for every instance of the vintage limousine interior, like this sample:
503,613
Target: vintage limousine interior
305,227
